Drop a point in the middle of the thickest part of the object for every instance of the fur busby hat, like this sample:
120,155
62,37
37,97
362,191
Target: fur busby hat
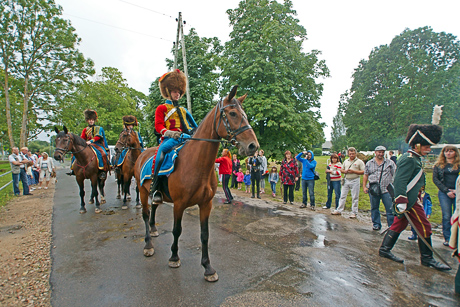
129,120
90,114
173,80
426,134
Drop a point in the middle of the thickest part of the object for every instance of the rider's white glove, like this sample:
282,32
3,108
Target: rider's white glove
401,207
173,134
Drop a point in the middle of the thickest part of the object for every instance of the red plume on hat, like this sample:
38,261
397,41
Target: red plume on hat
172,81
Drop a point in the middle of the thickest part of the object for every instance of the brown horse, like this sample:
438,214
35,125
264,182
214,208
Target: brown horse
85,167
128,140
193,180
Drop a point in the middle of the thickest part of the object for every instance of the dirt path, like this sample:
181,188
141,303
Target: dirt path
25,239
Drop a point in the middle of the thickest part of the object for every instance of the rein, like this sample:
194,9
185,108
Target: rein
231,134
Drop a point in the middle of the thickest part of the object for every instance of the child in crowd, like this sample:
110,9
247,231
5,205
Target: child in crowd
426,202
247,181
273,178
239,178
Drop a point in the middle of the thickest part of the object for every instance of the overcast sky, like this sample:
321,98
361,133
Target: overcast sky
136,36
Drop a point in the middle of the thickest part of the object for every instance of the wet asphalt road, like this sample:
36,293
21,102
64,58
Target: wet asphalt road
266,254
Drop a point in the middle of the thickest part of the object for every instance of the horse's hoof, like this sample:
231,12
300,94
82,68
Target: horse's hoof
212,278
138,206
91,201
82,211
174,264
118,197
128,197
148,252
97,210
154,233
124,207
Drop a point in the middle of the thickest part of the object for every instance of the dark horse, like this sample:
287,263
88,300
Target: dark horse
129,140
85,167
193,180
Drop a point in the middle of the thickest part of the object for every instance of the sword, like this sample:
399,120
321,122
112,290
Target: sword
424,241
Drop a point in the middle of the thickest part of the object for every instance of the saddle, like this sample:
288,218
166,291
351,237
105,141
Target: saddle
103,154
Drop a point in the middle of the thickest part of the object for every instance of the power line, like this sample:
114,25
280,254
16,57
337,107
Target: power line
107,25
145,8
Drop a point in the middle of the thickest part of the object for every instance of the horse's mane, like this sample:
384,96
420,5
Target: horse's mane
78,140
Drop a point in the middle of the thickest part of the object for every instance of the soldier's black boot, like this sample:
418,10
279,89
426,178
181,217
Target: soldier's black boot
157,197
388,242
71,173
426,256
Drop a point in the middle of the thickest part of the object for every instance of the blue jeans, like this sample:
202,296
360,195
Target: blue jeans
167,145
273,186
23,177
447,207
335,186
308,185
375,211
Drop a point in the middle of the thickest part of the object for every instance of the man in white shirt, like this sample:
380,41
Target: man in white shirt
18,168
353,167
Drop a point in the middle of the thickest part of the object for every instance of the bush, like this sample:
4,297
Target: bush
317,151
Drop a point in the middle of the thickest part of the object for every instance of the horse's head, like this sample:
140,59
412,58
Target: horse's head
233,124
64,143
127,139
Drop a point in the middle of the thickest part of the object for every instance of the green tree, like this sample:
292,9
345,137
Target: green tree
265,58
39,49
109,96
338,133
399,84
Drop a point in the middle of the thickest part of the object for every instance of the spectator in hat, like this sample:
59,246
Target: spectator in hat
379,172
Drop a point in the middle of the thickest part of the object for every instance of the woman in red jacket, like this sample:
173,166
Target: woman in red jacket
225,169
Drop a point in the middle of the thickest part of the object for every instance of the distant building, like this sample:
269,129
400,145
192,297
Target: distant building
326,148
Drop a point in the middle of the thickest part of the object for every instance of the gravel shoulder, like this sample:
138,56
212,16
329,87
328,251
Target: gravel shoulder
25,240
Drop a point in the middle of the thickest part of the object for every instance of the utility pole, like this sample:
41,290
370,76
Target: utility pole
176,45
189,100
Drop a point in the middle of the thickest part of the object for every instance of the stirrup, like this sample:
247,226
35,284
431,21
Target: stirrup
102,175
157,198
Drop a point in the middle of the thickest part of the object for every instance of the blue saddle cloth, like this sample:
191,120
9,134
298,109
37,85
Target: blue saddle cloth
100,161
122,157
167,167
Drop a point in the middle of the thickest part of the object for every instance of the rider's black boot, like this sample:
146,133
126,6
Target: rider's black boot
426,256
388,242
71,173
157,197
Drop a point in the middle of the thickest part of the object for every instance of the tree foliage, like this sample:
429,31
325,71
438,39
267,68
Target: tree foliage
399,84
338,133
109,96
265,58
38,49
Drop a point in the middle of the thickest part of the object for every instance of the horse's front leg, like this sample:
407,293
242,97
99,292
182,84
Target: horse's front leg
118,185
81,185
126,185
94,194
138,205
148,248
174,261
209,273
101,185
153,227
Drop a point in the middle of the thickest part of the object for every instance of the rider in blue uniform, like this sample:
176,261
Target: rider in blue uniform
174,123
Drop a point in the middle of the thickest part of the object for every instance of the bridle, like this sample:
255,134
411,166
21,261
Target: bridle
222,119
125,145
65,150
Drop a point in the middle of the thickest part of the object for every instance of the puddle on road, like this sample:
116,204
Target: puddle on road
279,225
